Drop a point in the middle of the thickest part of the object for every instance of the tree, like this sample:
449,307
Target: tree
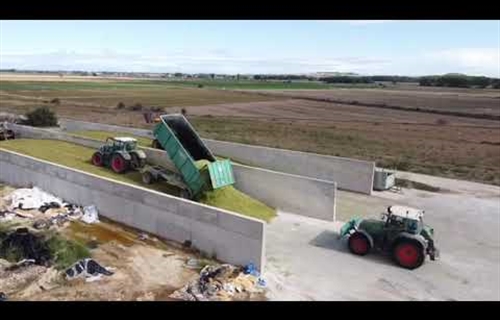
41,117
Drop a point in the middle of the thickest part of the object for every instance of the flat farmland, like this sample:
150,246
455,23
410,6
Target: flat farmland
107,94
466,101
446,145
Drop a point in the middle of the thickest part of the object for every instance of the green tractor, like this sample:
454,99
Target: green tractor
121,154
400,232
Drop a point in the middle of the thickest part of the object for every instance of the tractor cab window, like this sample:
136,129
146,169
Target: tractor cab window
395,221
130,146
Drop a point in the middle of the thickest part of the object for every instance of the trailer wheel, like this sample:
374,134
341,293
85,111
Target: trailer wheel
147,177
118,164
185,194
359,244
408,254
156,144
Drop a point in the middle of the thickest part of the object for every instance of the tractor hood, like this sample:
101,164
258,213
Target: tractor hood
350,225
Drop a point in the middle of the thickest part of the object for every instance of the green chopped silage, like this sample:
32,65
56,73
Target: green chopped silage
232,199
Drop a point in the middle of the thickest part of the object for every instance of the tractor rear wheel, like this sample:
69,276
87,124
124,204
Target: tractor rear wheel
119,164
408,254
97,159
359,244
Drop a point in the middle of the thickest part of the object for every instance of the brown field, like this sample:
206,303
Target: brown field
472,101
445,145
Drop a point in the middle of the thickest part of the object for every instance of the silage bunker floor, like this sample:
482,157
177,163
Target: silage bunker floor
78,157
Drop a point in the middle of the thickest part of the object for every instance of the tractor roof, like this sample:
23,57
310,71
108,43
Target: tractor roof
125,139
406,212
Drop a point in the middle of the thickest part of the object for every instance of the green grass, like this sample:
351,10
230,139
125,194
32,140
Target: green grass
164,84
262,85
78,157
232,199
102,135
66,252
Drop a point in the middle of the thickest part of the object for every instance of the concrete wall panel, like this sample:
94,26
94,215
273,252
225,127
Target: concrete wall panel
228,236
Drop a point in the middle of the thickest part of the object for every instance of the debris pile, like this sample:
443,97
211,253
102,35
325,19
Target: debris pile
45,209
87,268
21,244
222,283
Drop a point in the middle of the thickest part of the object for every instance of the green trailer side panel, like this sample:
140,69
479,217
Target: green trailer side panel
179,156
221,173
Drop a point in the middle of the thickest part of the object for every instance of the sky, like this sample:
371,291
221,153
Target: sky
368,47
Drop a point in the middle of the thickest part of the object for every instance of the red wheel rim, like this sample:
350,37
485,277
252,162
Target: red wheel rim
407,254
96,159
359,244
117,164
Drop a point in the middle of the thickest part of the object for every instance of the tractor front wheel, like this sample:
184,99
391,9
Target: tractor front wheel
409,254
118,164
359,244
97,159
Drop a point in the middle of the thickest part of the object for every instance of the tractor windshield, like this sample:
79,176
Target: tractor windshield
130,146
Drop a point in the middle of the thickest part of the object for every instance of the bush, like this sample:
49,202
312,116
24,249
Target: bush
55,101
200,85
41,117
183,111
120,105
441,122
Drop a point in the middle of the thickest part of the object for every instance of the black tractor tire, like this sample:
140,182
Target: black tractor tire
136,163
408,253
359,244
148,178
156,144
119,164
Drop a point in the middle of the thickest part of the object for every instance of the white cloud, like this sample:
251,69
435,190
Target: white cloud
203,61
473,60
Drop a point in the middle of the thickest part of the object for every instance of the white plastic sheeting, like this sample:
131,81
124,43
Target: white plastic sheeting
33,198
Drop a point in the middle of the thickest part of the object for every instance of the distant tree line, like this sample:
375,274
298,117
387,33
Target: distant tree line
347,79
459,81
281,77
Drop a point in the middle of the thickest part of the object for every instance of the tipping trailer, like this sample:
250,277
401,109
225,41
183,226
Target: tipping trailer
199,169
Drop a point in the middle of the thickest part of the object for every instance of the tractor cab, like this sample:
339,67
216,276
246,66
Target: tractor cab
121,143
404,218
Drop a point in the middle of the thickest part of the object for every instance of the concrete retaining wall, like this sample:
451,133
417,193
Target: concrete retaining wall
291,193
308,197
349,174
228,236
